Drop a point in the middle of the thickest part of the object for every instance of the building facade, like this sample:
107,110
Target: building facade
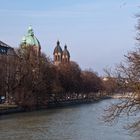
7,66
6,49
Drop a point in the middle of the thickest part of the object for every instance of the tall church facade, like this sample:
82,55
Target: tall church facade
61,56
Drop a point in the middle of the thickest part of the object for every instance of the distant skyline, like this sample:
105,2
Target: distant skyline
97,32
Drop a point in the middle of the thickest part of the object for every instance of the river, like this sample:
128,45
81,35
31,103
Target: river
80,122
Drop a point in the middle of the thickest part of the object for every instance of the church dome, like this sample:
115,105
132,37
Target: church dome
57,49
66,52
30,39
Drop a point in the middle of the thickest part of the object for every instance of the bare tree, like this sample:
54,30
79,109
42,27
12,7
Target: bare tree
129,77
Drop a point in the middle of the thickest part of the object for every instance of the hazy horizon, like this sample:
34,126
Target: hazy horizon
98,33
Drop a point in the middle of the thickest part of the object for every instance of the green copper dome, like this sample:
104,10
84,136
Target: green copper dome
30,39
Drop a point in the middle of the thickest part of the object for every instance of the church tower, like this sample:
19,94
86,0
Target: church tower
65,55
57,54
61,56
31,43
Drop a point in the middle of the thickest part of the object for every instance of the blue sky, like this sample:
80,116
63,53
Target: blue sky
97,32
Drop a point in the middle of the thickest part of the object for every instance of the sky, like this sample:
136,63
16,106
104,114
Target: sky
97,32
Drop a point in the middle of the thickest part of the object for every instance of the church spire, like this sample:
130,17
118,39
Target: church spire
65,55
57,54
30,31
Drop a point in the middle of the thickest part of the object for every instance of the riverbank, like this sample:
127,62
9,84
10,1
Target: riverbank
75,102
10,109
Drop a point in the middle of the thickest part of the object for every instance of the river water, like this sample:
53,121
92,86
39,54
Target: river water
81,122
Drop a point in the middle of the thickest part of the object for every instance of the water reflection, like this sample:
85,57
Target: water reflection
71,123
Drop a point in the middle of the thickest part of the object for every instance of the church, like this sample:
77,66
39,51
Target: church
30,42
29,45
61,56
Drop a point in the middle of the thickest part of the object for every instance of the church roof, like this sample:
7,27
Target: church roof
58,48
66,52
30,38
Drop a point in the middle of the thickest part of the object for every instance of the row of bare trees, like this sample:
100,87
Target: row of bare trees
31,81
